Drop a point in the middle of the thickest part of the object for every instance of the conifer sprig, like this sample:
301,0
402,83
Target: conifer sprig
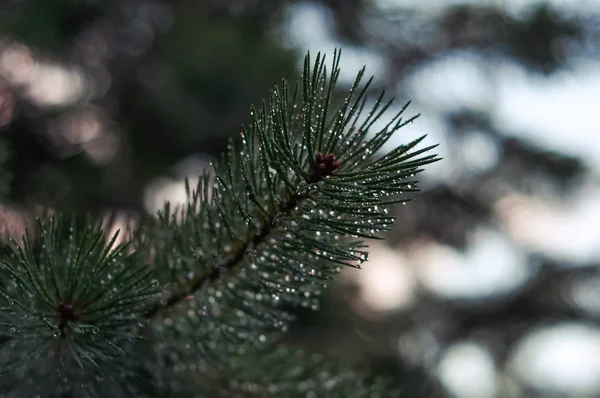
72,299
274,221
279,216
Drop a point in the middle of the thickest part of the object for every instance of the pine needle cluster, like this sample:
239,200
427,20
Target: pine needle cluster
194,303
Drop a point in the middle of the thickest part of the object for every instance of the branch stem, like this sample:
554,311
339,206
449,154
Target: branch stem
231,263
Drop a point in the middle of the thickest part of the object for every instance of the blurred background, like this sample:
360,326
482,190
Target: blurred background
490,285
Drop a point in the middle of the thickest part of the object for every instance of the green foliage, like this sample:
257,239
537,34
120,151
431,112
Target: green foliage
267,230
195,85
281,371
37,21
295,374
70,301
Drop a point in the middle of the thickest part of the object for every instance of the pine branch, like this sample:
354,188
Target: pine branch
267,229
69,304
277,219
